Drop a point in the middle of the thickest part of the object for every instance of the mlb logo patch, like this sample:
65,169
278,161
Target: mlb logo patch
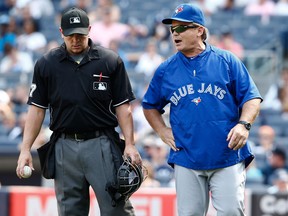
74,20
100,86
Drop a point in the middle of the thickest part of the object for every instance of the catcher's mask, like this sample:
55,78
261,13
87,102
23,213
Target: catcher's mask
129,179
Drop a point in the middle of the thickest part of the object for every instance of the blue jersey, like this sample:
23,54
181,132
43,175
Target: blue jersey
206,94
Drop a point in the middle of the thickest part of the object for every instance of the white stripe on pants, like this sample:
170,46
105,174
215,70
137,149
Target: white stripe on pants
227,186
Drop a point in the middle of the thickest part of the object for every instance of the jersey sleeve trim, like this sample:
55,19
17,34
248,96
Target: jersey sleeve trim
43,107
115,105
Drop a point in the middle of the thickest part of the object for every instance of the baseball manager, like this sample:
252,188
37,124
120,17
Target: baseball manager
213,103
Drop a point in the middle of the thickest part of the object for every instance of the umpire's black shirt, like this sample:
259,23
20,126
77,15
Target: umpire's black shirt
81,97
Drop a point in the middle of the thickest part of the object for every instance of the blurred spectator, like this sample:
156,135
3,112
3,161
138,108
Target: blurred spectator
161,34
280,183
51,45
31,40
6,112
150,180
253,174
41,139
83,4
36,8
209,7
141,126
6,6
241,3
260,7
15,61
102,5
106,30
6,35
149,60
229,6
264,145
127,57
276,97
4,97
114,45
19,96
276,161
17,131
145,143
14,27
7,117
213,39
281,8
266,139
228,42
137,35
163,172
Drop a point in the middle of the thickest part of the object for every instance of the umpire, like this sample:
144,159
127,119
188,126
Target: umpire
88,93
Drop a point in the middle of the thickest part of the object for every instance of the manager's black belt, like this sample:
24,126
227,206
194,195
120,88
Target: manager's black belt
82,136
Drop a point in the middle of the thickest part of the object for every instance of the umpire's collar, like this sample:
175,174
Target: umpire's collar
92,53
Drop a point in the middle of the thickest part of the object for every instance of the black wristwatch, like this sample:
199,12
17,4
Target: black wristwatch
247,125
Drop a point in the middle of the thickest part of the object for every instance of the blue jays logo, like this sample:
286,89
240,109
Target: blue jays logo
196,100
178,10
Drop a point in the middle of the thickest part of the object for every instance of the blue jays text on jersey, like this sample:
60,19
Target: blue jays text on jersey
206,94
204,89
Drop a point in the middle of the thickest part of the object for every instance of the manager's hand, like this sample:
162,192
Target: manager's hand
237,137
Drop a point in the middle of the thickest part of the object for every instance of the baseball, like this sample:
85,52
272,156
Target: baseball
27,172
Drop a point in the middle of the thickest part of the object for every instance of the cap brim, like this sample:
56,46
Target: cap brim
168,21
83,31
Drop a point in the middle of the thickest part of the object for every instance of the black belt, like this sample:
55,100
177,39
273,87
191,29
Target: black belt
82,136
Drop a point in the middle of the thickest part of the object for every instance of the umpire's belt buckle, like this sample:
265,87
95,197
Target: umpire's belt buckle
82,136
76,138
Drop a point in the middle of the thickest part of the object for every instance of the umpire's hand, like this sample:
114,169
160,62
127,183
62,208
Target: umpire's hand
132,152
25,158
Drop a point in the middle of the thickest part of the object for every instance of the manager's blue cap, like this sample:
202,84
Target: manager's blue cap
187,13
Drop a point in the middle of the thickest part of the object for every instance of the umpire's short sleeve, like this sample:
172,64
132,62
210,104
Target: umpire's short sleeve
38,89
121,87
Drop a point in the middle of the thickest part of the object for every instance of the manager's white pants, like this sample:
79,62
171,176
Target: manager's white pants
227,186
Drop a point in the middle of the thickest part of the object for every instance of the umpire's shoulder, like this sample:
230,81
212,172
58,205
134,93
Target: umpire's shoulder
104,52
54,53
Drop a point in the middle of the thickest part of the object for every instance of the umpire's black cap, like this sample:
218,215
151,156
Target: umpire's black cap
75,21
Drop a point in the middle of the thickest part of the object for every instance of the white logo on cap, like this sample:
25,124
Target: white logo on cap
74,20
179,9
